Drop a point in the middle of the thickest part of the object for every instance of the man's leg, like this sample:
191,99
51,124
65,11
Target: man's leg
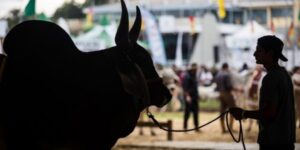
222,109
195,113
186,114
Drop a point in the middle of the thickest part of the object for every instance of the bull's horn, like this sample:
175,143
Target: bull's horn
136,28
122,38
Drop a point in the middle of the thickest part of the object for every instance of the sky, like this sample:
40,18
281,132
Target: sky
46,6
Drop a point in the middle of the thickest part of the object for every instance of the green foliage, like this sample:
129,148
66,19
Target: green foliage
97,2
14,17
209,105
70,11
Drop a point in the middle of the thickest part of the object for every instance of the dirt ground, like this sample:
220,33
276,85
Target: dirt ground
211,132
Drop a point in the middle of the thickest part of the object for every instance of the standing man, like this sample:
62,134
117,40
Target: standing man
225,87
276,113
191,95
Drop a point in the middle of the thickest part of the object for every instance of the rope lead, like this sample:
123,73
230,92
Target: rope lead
240,136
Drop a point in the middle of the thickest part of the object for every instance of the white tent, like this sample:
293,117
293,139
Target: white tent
242,43
99,37
247,36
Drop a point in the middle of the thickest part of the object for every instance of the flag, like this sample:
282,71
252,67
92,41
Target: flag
291,34
89,18
272,26
30,8
178,57
192,23
221,10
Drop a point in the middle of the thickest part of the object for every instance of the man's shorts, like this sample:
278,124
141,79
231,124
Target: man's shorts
227,101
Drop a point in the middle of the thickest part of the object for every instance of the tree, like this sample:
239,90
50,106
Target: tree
14,17
97,2
69,10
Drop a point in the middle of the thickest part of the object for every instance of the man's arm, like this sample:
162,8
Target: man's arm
269,113
240,114
252,114
296,83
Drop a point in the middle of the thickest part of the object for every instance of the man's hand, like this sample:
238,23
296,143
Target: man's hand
188,99
236,112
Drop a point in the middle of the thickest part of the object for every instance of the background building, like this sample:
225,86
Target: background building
174,16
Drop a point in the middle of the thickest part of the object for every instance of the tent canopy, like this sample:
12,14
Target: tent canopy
99,37
247,36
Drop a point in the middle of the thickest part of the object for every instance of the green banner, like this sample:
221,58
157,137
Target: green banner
30,8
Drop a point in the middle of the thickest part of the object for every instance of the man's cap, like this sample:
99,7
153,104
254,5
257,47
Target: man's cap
272,43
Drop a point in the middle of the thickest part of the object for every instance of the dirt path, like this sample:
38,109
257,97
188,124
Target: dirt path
211,132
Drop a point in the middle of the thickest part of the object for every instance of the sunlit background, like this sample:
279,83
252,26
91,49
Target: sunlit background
177,33
212,31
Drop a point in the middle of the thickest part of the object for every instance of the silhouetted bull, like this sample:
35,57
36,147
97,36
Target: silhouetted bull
55,96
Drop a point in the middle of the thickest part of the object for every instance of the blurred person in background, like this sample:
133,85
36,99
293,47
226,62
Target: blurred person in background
296,82
179,92
225,87
191,95
244,68
205,76
253,85
205,79
171,80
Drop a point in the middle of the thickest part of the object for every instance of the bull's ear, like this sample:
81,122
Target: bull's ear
136,28
122,38
133,80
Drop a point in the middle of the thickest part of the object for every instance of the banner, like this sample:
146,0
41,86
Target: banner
221,9
30,8
154,38
291,34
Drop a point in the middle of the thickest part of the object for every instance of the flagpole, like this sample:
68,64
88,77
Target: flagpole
286,31
295,19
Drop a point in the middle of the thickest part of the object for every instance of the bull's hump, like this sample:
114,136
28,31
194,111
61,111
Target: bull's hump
38,38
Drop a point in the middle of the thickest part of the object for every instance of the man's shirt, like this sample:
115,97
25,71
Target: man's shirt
277,92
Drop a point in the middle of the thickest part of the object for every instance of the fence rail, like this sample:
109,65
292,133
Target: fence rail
167,125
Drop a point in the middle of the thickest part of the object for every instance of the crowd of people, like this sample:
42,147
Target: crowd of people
267,93
230,86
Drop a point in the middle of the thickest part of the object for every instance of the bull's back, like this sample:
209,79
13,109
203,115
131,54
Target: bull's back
53,92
